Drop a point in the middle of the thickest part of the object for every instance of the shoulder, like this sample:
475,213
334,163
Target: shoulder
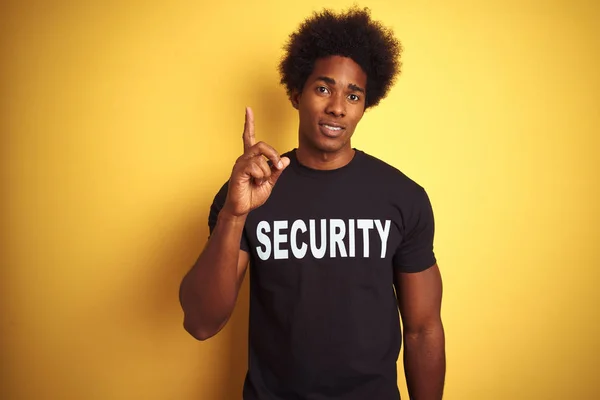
288,153
389,175
221,195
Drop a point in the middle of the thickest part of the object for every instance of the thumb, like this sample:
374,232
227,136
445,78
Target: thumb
277,172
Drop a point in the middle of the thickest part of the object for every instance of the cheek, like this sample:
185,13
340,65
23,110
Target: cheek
357,117
308,112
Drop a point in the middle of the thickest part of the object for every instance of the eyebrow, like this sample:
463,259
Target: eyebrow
331,81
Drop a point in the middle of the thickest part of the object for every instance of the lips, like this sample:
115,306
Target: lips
331,129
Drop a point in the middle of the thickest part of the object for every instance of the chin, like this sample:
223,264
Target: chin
318,142
330,146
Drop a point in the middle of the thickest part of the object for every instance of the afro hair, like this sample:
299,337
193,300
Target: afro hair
350,34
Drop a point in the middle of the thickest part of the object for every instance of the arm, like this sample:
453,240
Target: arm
209,291
419,300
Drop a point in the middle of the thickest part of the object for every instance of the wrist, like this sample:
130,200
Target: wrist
227,217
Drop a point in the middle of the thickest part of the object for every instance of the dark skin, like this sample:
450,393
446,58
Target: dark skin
209,291
419,300
332,95
330,107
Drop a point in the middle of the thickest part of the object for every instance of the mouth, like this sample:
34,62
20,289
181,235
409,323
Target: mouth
331,129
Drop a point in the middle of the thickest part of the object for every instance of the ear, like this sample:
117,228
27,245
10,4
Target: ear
295,98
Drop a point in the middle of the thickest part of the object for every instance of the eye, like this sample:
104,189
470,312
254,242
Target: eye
322,89
353,97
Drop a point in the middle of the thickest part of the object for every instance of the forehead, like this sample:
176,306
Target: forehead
342,69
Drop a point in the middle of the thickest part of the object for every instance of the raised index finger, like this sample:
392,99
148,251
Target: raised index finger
248,136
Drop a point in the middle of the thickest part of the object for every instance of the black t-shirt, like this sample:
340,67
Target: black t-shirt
324,321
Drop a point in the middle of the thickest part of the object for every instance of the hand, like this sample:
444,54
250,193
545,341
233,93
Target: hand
252,178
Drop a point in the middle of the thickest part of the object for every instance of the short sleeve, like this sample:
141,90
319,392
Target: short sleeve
213,215
415,252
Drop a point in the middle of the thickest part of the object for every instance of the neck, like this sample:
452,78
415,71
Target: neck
322,160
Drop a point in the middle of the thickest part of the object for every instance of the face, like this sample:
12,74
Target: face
331,104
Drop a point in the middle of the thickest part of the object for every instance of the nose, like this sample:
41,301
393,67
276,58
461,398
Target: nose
336,106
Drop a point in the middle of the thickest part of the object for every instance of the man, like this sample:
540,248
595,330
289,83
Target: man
330,232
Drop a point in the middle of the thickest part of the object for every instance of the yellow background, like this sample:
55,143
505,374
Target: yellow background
120,121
